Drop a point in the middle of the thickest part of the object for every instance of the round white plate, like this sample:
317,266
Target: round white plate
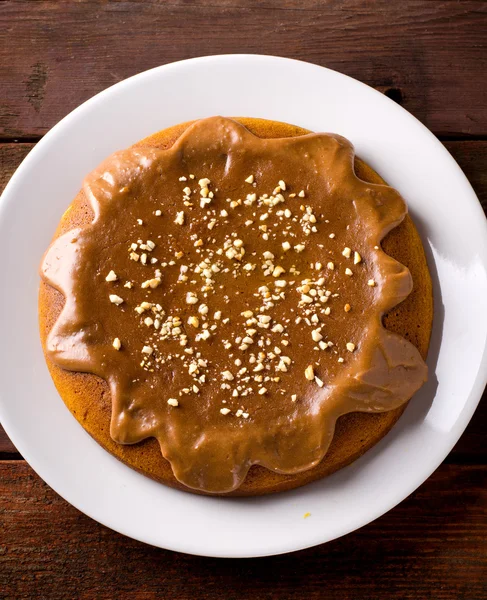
409,157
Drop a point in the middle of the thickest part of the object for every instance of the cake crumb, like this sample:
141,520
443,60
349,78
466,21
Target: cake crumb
117,344
151,283
173,402
309,373
191,298
179,220
194,321
114,299
316,335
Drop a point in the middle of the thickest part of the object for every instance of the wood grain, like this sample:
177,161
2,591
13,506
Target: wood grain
11,155
430,56
433,545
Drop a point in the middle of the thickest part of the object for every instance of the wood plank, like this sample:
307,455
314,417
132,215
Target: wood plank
11,155
7,449
471,156
430,54
433,545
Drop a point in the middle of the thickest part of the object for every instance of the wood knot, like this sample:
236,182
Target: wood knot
394,94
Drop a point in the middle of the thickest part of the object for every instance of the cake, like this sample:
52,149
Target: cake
228,306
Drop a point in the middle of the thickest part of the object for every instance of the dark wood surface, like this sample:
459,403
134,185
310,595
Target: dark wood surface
430,53
430,56
431,546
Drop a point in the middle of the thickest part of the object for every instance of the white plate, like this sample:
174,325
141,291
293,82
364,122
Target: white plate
454,231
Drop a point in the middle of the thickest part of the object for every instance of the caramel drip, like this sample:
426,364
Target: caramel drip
239,393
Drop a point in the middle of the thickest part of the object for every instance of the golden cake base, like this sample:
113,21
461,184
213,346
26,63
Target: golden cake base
88,396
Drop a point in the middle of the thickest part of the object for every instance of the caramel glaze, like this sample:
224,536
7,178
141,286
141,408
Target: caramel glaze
280,419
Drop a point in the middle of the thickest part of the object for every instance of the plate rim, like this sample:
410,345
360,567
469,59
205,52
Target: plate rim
462,420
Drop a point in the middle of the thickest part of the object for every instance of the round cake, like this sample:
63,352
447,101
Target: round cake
354,426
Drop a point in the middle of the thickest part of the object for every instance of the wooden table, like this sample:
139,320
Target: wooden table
430,57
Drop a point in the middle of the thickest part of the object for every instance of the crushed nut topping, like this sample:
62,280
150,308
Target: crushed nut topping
309,373
179,220
257,359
